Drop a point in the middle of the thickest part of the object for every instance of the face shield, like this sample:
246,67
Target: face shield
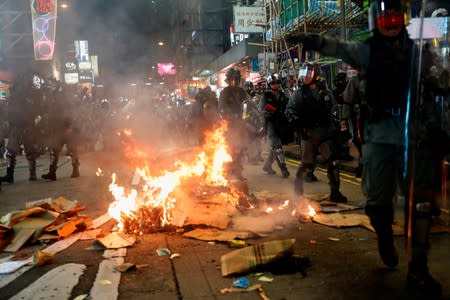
388,15
307,74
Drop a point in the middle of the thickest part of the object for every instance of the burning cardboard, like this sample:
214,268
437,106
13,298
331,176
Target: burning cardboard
153,204
212,234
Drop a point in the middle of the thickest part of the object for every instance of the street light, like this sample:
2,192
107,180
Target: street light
64,5
161,43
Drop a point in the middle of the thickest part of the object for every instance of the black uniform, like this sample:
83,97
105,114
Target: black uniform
61,131
277,129
230,108
24,116
309,109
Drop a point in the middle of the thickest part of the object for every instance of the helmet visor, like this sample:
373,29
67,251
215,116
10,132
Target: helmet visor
390,19
307,74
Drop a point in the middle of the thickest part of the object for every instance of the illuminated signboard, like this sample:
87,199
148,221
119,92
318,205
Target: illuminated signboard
167,69
43,15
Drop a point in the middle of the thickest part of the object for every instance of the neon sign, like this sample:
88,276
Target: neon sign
43,14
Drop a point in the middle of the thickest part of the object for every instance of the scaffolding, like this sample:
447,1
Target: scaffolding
285,18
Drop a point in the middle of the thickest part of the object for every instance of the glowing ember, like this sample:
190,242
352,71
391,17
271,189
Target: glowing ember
311,211
269,210
284,205
99,172
153,206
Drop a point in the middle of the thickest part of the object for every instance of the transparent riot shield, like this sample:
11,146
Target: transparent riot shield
429,128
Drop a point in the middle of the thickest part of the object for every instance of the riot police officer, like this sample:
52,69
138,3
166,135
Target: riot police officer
24,116
62,131
230,108
273,105
386,58
309,110
254,121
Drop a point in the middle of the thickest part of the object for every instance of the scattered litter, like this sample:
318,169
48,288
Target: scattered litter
175,255
312,241
241,283
244,260
212,243
278,227
81,297
334,239
142,266
265,278
11,266
41,258
163,251
252,288
96,246
213,234
237,244
105,282
258,274
262,293
117,240
126,267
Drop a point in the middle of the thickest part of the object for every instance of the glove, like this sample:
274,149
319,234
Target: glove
310,41
270,108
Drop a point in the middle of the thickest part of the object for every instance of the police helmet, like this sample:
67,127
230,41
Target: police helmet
340,80
232,74
248,86
386,14
309,73
273,78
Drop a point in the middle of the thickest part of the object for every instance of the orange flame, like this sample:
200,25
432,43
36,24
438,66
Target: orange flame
157,191
311,211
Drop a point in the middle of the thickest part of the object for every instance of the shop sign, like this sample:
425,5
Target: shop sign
249,19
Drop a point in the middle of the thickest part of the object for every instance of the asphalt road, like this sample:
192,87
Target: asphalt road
344,262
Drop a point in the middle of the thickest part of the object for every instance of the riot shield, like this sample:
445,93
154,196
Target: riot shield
427,124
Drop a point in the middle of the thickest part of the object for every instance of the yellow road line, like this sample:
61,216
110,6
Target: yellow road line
344,177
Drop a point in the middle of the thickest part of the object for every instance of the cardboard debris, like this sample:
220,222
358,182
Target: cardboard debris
248,258
59,204
90,234
68,227
21,236
16,216
45,219
117,240
125,267
339,220
332,207
212,234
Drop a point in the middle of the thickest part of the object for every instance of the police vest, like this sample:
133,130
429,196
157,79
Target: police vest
314,112
388,75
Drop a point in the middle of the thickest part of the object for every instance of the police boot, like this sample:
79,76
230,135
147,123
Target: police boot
75,169
32,167
9,177
299,177
335,182
310,177
418,275
51,175
268,164
381,218
281,161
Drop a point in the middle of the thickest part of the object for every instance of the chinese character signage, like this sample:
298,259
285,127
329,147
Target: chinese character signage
43,16
249,19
